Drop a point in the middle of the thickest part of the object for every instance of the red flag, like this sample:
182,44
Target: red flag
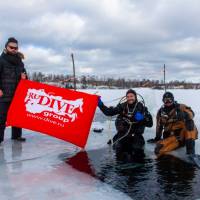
59,112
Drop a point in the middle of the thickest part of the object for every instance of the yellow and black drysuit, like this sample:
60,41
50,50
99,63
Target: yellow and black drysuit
175,124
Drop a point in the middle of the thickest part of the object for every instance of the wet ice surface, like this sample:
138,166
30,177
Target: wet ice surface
47,168
34,170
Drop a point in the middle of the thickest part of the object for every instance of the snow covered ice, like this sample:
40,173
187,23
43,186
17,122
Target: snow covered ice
37,169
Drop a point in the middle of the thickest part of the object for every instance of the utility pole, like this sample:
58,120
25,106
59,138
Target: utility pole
74,72
164,71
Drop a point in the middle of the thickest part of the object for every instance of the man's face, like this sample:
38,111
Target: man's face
12,48
131,98
168,102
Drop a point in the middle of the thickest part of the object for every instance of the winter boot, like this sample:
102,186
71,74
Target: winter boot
190,146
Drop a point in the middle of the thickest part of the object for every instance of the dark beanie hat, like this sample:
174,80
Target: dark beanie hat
168,95
11,39
131,91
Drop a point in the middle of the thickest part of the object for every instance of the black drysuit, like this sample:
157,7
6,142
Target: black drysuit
125,123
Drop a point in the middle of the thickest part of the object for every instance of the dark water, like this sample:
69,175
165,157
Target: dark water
166,178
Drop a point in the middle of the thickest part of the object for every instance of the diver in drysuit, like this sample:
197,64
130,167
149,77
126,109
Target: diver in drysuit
132,118
175,127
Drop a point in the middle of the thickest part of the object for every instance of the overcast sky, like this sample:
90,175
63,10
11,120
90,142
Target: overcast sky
118,38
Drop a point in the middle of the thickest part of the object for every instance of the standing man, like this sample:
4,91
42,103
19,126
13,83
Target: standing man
11,72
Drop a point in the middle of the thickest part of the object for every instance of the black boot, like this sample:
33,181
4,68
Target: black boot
190,146
17,134
2,129
20,139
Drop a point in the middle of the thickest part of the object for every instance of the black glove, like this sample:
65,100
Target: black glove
100,102
153,140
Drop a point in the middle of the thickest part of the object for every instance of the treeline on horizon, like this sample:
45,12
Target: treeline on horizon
98,81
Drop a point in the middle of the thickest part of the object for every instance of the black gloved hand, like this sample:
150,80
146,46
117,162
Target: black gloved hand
153,140
100,102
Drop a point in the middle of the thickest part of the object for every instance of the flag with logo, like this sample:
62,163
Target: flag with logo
58,112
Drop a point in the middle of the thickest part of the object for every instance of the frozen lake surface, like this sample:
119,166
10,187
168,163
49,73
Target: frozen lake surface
47,168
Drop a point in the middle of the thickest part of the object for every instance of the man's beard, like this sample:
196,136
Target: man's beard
131,101
11,53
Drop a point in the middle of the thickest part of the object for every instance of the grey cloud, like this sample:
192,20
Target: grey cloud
114,38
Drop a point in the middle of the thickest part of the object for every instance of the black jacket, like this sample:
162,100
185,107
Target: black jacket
11,67
126,111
